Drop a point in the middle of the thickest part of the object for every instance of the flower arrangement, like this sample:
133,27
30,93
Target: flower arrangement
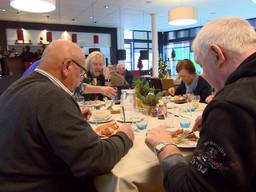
145,94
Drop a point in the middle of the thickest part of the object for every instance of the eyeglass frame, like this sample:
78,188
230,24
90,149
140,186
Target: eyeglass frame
82,67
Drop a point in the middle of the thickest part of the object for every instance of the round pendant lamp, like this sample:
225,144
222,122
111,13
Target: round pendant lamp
34,6
182,16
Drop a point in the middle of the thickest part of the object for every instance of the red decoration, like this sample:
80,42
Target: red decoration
20,36
74,37
49,36
95,39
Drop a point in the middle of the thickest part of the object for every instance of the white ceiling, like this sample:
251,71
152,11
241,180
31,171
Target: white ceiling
130,14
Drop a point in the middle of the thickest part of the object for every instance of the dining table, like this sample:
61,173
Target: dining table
139,169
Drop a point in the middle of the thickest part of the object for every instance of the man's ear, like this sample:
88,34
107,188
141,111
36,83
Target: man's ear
218,54
65,70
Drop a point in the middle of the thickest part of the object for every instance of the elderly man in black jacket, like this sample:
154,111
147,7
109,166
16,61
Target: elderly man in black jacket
45,143
224,159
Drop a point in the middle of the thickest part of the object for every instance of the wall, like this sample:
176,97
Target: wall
107,36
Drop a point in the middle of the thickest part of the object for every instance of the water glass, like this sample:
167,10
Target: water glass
143,121
184,122
195,101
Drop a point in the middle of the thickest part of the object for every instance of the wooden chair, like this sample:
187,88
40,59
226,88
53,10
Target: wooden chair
14,66
167,83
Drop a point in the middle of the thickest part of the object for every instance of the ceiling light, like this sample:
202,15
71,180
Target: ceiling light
90,17
106,6
182,16
3,10
34,6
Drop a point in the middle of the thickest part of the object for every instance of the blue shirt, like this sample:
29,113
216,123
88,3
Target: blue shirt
31,68
190,88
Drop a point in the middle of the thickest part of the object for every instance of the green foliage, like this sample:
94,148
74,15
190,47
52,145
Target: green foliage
145,93
163,72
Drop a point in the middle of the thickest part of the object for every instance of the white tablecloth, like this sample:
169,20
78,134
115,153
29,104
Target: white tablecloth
139,170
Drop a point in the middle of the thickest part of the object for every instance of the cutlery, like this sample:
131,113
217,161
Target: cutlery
123,114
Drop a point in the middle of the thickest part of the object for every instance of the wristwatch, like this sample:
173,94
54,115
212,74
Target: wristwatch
160,146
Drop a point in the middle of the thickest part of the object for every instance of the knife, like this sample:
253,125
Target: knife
123,113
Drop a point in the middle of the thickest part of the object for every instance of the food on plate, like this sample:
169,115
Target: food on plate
178,98
182,136
94,103
107,129
115,110
100,115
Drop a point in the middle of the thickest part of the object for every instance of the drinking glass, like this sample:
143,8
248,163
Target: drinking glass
184,122
142,123
195,101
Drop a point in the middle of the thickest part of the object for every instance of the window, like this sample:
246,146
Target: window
141,41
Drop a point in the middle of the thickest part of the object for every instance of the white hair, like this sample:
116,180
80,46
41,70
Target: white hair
120,65
93,55
231,33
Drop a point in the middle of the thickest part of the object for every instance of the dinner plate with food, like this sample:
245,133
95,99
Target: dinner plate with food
106,130
100,116
130,117
184,138
96,103
178,99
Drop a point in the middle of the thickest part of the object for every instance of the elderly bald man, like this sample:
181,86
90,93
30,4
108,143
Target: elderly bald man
120,69
45,143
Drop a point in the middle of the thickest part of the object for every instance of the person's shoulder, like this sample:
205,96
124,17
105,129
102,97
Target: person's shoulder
203,81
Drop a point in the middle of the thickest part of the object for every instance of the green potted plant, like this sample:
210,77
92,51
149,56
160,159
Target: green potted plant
146,97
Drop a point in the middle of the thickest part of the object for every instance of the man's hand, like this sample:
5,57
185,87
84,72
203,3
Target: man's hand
108,91
156,135
171,91
209,98
86,113
127,129
198,124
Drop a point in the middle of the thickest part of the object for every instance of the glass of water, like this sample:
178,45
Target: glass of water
184,122
142,121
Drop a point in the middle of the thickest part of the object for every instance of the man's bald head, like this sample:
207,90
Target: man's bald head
120,68
58,50
62,59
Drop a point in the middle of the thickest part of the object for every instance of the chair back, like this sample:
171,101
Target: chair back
14,66
167,83
155,83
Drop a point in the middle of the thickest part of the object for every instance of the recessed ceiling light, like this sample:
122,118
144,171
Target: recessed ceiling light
3,10
90,17
106,6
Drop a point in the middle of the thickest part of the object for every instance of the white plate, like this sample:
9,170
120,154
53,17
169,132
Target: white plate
96,103
101,121
187,144
129,119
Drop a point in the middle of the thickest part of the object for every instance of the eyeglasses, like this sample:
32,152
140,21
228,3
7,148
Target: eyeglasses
82,67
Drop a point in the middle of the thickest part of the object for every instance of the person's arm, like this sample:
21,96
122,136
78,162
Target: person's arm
73,140
223,159
105,90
